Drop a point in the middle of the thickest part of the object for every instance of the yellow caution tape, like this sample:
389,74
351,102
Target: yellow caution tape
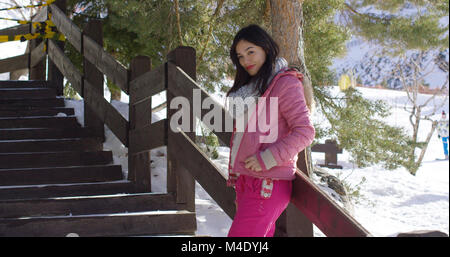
45,3
30,36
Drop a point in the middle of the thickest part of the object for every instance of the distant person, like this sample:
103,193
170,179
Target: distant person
442,128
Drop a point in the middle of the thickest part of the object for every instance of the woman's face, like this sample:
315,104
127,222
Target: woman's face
250,56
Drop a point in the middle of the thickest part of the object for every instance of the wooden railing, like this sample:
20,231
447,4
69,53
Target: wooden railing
186,163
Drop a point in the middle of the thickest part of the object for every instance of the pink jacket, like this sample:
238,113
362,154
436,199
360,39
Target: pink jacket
278,159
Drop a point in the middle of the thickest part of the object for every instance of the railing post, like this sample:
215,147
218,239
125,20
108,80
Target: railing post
140,115
179,180
292,222
93,30
54,75
36,72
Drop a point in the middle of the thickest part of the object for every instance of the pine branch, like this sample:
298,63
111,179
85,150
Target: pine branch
211,25
366,15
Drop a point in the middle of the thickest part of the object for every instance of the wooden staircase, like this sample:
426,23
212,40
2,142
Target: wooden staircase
54,180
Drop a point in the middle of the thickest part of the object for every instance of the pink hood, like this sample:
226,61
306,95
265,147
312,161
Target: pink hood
293,131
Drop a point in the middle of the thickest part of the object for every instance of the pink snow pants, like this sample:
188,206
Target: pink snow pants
256,216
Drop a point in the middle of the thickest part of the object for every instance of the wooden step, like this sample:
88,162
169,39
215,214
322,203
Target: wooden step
60,175
49,145
53,159
66,190
83,205
24,83
124,224
44,111
27,93
14,104
45,133
39,122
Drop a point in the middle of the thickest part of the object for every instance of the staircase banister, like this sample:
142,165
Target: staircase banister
66,27
14,63
16,30
41,15
90,50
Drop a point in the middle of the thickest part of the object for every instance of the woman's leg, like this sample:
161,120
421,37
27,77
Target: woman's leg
256,216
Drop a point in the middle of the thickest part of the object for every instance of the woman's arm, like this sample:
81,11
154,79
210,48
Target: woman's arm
293,109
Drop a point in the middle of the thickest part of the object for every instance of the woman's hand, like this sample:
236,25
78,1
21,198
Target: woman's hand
252,163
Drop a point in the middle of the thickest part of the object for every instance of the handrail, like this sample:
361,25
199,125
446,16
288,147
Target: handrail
21,61
14,63
90,50
16,30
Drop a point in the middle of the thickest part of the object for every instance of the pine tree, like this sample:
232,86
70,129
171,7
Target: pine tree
399,25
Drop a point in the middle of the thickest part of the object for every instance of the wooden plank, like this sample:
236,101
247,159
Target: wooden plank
24,103
94,30
41,15
66,67
37,54
66,26
329,217
45,133
23,83
141,112
325,148
39,122
54,159
149,137
60,175
139,163
125,224
107,113
109,66
185,58
54,75
183,85
47,145
98,204
16,30
14,63
65,190
38,71
36,112
148,84
26,93
203,170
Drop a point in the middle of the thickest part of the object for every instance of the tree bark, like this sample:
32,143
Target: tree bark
287,30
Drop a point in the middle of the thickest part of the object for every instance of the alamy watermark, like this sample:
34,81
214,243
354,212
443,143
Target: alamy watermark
262,115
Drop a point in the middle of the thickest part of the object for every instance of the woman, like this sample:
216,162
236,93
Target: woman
262,172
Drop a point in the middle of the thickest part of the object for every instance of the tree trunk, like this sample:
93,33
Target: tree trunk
114,90
427,141
287,30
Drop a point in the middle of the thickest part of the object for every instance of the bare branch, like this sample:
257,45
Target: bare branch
211,26
177,12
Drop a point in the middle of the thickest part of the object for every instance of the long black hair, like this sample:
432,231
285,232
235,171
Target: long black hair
258,36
